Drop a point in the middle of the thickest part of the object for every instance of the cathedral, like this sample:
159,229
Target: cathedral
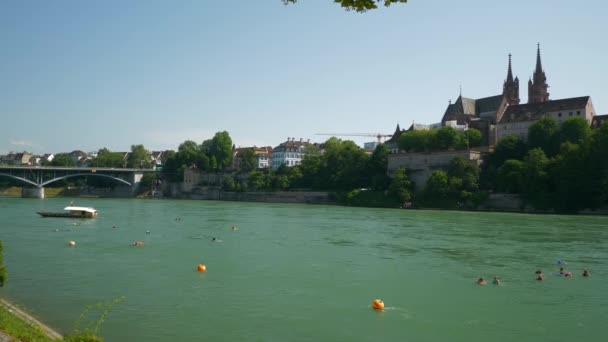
499,115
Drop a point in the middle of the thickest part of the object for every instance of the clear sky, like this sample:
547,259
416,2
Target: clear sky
92,74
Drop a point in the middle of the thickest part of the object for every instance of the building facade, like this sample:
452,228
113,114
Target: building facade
289,153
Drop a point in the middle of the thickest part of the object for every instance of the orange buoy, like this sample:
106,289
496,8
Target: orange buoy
138,243
72,243
378,304
201,268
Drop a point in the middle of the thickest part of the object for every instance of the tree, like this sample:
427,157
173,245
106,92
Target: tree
473,136
139,157
377,168
510,176
3,273
106,158
535,180
401,186
575,130
358,5
542,134
221,149
509,147
418,140
256,181
446,138
436,187
63,159
248,160
147,182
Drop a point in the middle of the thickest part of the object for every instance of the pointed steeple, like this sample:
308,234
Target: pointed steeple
510,89
537,86
539,66
509,72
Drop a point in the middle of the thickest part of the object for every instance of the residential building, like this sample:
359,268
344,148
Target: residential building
289,153
598,120
23,158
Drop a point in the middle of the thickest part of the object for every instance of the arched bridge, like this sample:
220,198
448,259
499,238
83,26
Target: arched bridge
39,176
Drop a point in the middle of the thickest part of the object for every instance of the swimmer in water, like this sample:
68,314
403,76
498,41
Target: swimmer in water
561,270
113,227
496,281
234,228
539,275
481,281
586,273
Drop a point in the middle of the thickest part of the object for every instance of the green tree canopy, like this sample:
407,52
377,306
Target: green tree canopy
358,5
106,158
446,138
418,140
221,149
542,134
575,130
510,176
63,159
139,157
509,147
401,186
248,160
436,187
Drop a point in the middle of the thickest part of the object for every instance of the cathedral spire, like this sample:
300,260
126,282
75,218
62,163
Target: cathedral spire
539,66
538,87
509,72
510,89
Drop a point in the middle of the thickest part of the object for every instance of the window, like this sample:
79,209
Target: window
578,112
559,114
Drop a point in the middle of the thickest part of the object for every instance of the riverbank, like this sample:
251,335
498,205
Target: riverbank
17,324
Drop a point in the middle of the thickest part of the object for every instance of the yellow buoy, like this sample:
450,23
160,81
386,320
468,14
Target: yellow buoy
378,304
201,268
72,243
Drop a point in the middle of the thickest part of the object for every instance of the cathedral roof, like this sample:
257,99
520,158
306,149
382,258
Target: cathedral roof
488,104
465,106
535,111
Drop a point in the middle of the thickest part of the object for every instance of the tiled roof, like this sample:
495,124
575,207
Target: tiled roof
488,104
534,111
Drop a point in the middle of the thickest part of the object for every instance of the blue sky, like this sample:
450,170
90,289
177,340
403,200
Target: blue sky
92,74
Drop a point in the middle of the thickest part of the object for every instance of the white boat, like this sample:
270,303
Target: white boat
71,211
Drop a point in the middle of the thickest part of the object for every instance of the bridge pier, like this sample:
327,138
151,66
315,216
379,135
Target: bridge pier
32,192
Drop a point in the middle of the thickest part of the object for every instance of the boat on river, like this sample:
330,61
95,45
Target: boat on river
71,211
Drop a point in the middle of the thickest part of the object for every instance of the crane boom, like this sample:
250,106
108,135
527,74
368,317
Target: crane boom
377,135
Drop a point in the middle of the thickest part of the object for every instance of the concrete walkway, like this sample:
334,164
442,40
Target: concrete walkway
29,320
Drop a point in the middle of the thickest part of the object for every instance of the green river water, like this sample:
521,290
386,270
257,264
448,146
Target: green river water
306,272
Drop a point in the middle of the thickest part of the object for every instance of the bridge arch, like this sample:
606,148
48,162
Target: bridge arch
87,175
21,179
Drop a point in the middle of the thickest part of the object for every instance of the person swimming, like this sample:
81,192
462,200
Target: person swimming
496,281
561,270
234,228
539,275
586,273
481,281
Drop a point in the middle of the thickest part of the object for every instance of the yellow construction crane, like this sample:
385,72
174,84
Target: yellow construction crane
379,136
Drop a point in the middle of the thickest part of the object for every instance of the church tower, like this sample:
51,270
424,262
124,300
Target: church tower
537,86
510,88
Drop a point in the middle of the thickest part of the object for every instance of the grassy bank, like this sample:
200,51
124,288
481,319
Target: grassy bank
19,329
48,192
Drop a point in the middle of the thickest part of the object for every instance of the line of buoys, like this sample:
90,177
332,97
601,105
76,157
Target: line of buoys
71,243
201,268
378,304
